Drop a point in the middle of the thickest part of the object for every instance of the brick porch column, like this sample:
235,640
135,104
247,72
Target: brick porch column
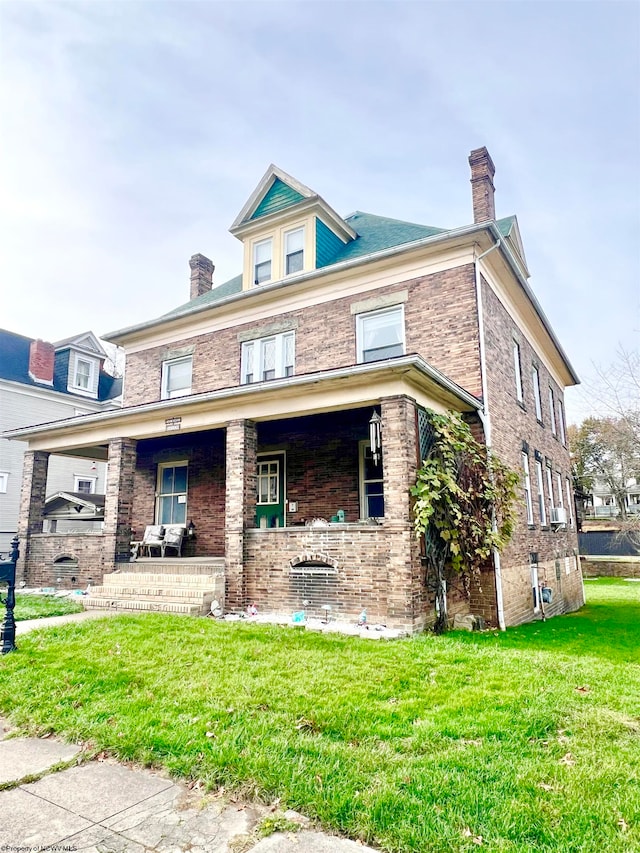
240,505
399,464
118,501
32,495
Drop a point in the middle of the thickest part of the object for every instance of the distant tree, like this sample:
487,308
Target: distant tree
465,506
606,450
616,391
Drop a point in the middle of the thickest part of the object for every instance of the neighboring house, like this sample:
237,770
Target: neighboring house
249,411
43,382
602,503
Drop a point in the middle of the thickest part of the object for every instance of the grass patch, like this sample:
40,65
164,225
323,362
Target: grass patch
39,606
516,741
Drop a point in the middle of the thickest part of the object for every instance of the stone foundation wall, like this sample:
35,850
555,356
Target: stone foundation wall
87,548
610,567
568,593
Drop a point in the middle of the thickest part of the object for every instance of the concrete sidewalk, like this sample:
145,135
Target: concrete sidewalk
54,799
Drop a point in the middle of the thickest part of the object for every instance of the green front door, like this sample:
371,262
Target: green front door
270,491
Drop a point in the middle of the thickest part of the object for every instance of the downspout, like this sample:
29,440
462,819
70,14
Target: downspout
485,417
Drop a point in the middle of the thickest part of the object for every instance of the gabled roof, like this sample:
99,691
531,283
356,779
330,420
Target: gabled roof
276,190
79,501
87,341
278,193
510,230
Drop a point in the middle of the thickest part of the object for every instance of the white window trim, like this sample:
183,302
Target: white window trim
89,479
559,489
535,587
361,319
4,482
256,346
300,229
563,434
178,463
166,368
535,376
569,500
527,487
268,241
362,447
518,371
92,389
541,497
552,411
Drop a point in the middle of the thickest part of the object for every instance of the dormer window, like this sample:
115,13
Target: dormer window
262,254
294,251
83,375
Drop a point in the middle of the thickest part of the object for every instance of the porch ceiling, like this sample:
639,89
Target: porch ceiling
311,393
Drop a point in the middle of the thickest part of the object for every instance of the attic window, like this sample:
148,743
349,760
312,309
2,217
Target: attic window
262,253
294,251
83,375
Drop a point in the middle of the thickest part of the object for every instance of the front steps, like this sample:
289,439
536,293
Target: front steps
172,585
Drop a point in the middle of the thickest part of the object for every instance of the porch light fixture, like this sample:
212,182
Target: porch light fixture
375,436
191,529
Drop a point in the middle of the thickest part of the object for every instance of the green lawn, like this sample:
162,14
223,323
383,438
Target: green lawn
525,740
39,606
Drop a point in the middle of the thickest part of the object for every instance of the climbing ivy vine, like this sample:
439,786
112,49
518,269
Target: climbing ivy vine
465,505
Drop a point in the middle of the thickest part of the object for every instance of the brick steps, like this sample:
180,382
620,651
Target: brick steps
161,586
142,606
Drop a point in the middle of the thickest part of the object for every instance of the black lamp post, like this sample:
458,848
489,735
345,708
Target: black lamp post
8,574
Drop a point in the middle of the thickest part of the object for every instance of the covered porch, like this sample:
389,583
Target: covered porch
290,499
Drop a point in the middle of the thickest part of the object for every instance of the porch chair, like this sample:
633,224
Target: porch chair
173,537
153,538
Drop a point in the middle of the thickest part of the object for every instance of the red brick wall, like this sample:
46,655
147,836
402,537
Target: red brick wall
440,320
205,455
87,548
512,424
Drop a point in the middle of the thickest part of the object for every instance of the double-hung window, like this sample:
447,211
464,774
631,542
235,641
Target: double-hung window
552,410
535,374
86,485
294,251
262,255
172,493
83,375
268,358
527,487
518,371
550,482
563,436
569,501
176,377
380,334
542,509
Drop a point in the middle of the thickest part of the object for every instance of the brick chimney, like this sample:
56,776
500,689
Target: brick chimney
201,275
482,189
41,359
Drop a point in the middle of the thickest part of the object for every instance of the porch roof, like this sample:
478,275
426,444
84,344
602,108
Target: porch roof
310,393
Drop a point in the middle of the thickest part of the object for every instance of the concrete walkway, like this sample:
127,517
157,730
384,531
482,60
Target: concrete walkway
52,797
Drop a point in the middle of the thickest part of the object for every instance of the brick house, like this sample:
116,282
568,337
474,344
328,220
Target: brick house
248,412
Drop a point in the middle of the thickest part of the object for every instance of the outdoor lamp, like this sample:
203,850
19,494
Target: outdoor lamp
375,436
191,529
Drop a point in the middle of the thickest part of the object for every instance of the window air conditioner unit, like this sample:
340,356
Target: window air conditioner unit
558,515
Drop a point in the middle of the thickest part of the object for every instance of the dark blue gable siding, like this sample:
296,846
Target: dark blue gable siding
279,197
328,244
61,371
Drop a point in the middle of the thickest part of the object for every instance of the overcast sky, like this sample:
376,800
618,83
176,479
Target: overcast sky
132,133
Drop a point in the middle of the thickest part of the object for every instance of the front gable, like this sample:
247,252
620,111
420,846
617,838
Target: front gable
287,229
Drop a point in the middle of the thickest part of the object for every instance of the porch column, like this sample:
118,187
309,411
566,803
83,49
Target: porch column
118,501
399,467
240,504
32,496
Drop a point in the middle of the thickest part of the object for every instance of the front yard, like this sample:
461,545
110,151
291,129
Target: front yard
525,740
